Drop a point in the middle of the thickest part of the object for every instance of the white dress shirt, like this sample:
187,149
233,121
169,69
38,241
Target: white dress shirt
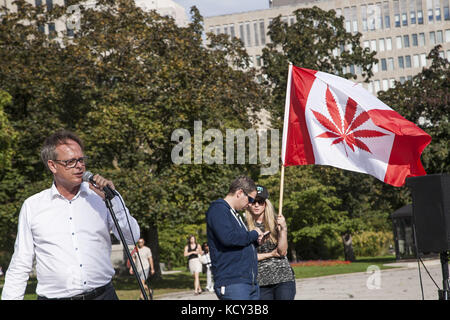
70,241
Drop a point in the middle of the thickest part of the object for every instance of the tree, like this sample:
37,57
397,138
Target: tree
319,41
125,82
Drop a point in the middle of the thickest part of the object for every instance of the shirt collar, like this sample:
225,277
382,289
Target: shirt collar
84,190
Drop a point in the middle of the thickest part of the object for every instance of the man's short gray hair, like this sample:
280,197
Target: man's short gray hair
48,150
242,182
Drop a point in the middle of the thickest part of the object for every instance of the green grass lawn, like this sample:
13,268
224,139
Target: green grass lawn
128,289
360,265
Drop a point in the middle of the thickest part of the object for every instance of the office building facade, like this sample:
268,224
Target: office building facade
402,32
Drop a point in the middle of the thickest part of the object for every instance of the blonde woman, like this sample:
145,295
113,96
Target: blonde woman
193,251
276,278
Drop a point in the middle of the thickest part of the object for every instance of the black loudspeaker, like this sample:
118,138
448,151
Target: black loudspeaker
431,211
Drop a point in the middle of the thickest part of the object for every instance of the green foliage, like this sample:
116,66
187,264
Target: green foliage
8,135
173,239
124,83
372,243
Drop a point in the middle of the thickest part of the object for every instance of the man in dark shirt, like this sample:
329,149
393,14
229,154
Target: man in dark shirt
232,246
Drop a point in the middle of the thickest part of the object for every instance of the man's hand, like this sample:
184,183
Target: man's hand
100,183
262,237
131,271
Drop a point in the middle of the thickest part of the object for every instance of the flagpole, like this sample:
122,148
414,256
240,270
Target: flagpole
280,207
285,127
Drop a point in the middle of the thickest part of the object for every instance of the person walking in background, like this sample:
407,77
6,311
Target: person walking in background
275,275
145,256
193,251
232,245
206,261
66,230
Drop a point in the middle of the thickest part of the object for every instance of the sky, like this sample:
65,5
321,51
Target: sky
217,7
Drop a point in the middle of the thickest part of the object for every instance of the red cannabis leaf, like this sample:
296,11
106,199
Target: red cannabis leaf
343,130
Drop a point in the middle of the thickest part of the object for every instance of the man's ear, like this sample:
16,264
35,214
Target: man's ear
51,165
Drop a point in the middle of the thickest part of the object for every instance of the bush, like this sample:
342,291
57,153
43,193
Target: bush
372,243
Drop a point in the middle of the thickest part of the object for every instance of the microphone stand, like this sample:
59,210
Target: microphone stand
109,195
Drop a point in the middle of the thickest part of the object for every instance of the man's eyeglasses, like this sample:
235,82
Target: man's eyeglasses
250,199
72,163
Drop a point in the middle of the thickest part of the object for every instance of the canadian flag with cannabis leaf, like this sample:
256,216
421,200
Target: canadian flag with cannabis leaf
332,121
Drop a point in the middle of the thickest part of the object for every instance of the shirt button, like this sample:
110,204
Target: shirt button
85,282
81,265
73,233
70,218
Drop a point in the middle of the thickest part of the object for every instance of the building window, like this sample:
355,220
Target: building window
432,38
421,39
255,28
366,44
401,63
415,41
437,10
373,45
446,10
51,30
447,35
262,32
383,64
439,36
419,11
404,9
390,63
38,3
381,45
398,42
423,60
248,34
396,13
416,63
387,18
354,19
232,32
385,84
419,17
388,44
430,10
49,4
364,17
412,11
242,33
377,86
347,22
406,41
408,61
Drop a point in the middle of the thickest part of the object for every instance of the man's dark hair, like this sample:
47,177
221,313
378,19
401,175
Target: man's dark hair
242,182
48,151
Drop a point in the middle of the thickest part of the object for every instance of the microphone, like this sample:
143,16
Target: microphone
89,177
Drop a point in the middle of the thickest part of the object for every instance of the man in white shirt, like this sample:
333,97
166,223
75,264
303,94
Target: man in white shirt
145,256
66,228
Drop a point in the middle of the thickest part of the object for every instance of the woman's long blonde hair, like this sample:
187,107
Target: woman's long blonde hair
269,221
